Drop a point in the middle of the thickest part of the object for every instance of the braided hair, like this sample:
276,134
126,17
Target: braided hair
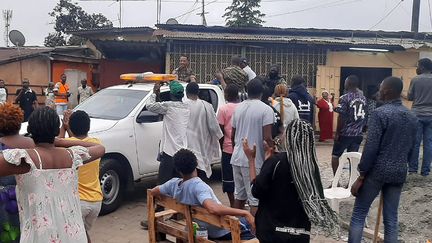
300,144
44,125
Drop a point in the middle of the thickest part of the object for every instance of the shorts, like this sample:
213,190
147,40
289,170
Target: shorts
227,173
90,212
350,144
242,185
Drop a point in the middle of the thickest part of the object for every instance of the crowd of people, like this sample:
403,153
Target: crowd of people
57,95
263,136
269,120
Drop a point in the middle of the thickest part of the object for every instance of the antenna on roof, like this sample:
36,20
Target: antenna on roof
172,21
203,13
7,16
17,38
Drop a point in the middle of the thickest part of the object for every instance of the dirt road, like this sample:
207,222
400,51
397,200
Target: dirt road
123,226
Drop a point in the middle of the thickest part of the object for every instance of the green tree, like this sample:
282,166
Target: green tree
244,13
68,16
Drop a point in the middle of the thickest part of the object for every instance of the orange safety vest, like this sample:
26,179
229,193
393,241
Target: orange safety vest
63,89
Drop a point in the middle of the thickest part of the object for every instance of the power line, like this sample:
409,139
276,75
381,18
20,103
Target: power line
388,14
325,5
190,11
195,3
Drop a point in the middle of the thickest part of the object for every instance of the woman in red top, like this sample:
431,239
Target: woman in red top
325,116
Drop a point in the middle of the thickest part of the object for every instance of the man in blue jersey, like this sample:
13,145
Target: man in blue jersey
351,120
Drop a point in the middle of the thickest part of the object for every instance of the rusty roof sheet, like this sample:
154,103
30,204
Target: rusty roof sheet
8,53
356,41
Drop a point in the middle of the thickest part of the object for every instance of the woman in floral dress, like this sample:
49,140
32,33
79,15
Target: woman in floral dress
47,181
11,117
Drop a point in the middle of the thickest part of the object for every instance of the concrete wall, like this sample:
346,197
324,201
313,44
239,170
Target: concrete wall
35,69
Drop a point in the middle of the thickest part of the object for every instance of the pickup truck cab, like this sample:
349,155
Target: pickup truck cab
130,134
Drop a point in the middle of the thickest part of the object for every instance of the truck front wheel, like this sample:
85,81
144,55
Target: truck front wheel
111,185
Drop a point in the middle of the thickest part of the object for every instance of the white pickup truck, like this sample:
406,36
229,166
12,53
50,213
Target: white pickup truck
131,135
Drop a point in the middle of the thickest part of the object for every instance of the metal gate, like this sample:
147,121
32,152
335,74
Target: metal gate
207,58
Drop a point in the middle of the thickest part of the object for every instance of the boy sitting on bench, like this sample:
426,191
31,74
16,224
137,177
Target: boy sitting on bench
191,190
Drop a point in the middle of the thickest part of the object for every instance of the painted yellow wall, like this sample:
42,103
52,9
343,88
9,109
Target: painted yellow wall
403,64
400,59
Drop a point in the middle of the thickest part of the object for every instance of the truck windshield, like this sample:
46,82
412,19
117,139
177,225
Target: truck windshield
112,104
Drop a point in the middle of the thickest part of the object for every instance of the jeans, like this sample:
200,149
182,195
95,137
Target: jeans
61,108
424,132
368,192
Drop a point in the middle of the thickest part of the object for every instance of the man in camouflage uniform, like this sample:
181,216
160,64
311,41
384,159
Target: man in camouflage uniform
183,72
234,74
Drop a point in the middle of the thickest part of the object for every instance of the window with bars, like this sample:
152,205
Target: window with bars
206,59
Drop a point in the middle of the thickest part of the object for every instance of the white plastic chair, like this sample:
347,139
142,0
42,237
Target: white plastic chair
336,193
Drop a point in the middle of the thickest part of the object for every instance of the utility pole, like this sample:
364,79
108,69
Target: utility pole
120,12
158,11
415,17
7,16
203,13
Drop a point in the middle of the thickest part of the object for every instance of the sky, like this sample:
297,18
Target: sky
32,19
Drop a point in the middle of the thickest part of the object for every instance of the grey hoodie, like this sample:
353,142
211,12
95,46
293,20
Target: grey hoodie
290,110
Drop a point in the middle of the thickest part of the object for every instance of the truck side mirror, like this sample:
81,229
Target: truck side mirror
148,117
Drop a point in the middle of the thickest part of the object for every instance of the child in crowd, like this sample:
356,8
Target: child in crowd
77,124
49,96
191,190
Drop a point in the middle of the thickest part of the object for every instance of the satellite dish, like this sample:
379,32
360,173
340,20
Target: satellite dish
17,38
172,21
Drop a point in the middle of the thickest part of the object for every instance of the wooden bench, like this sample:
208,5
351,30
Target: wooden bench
182,230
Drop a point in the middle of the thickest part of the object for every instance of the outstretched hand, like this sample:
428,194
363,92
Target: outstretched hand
251,220
66,116
355,188
268,150
250,153
156,87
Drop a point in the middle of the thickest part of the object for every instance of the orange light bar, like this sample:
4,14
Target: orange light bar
148,77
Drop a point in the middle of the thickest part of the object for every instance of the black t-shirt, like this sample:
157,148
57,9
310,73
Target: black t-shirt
279,203
26,102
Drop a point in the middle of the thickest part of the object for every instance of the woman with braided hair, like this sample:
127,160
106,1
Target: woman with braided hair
289,190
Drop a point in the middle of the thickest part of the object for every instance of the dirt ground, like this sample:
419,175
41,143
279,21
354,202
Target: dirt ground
415,211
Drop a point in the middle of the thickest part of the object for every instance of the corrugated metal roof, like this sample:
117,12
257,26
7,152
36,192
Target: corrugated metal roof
379,41
297,31
105,30
12,52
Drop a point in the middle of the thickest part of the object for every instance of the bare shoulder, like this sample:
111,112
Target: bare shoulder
28,142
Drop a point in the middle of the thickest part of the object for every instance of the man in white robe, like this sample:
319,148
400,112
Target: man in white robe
203,131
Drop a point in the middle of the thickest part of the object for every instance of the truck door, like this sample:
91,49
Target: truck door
148,136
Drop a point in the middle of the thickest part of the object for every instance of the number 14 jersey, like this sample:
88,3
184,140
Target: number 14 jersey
352,109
